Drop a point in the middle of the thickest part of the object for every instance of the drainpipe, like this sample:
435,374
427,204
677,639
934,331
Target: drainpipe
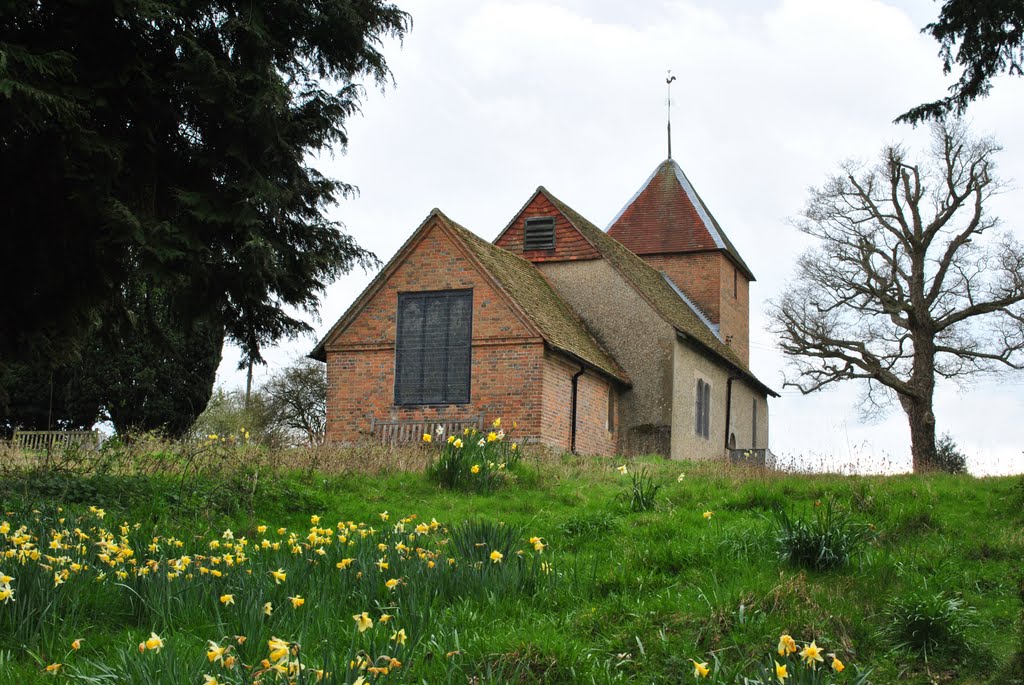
728,406
572,411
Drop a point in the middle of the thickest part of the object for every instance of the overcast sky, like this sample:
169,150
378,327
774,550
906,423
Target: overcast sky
492,99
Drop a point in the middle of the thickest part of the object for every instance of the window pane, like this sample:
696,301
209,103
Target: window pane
433,349
707,410
699,409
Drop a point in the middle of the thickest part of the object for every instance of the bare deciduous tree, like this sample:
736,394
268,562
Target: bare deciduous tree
296,398
909,281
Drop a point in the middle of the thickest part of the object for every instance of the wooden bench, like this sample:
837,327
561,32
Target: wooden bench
47,441
404,431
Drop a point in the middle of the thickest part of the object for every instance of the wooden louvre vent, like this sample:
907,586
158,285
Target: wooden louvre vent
539,233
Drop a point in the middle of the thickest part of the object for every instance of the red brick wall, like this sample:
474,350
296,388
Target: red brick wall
569,244
508,357
707,279
592,434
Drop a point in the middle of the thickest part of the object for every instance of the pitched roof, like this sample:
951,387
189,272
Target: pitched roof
668,216
520,280
652,285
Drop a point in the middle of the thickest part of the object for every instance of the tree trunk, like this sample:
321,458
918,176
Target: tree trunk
922,432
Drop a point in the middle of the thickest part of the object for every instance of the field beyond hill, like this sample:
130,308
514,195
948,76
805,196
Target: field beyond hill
239,565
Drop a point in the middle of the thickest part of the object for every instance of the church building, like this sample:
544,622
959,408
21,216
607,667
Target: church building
633,340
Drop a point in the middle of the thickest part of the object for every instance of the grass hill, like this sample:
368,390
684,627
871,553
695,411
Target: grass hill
554,573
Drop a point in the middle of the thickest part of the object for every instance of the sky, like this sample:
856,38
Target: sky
492,99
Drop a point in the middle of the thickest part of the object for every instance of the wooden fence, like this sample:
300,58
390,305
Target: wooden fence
48,441
402,431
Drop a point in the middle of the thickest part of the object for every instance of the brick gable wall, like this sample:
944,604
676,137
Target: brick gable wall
513,375
569,244
507,356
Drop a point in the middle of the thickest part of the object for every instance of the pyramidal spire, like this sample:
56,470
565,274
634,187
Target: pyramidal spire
668,104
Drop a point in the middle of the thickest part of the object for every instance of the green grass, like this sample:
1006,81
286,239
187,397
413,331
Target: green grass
633,596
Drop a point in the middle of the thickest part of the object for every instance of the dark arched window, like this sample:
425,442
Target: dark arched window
702,409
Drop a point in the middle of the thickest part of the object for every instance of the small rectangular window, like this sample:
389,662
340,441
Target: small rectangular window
702,413
735,284
539,233
753,428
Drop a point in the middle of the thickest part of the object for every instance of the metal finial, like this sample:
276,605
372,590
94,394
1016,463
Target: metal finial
668,102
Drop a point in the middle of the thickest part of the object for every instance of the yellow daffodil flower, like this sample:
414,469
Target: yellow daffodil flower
787,645
268,609
155,643
810,654
492,436
77,644
392,584
278,649
475,469
623,470
227,599
700,670
781,673
384,618
297,601
427,437
214,652
210,680
363,621
708,514
837,665
497,422
496,557
398,636
457,444
279,576
53,668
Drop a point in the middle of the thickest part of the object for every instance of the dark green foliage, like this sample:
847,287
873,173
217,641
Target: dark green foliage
929,622
475,540
170,141
948,456
989,40
154,371
827,540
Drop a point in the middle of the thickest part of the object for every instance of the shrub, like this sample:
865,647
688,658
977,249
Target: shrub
828,540
928,622
948,457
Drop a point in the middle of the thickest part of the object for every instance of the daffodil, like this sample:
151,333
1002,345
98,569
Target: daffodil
837,665
227,599
496,557
399,636
363,621
297,601
680,478
700,669
492,436
214,652
427,437
708,514
384,618
278,648
77,644
279,576
623,470
475,469
497,422
810,654
154,643
787,645
268,609
53,668
457,444
210,680
392,583
780,672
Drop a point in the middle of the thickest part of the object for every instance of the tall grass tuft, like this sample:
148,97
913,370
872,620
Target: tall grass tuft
643,493
929,622
827,540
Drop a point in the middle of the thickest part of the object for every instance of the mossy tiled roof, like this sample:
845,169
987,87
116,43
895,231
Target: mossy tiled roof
556,322
653,287
524,284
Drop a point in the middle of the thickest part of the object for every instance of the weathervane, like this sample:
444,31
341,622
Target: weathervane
668,101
